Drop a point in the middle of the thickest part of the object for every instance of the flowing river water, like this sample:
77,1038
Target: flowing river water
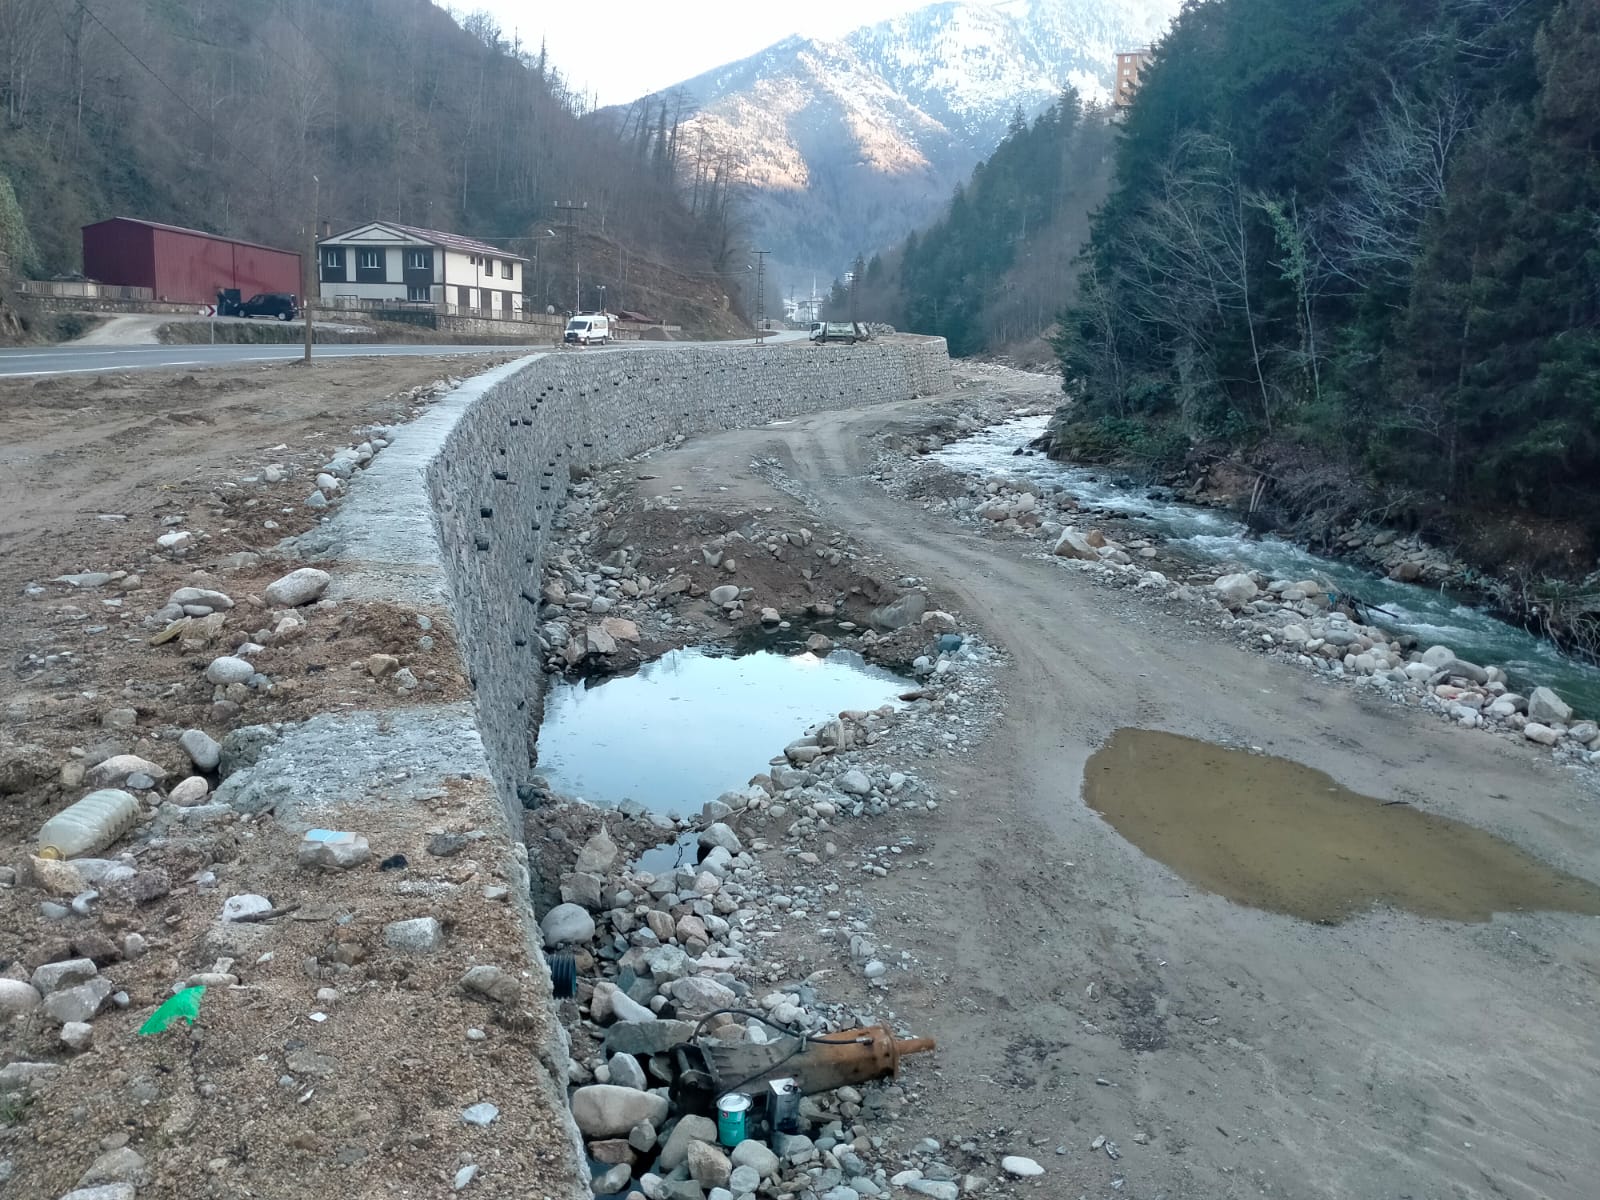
1434,616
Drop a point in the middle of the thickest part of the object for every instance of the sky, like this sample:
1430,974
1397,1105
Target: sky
619,50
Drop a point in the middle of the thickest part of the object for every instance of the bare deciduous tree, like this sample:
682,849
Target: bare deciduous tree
1396,179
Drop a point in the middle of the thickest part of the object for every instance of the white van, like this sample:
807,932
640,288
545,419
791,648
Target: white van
586,329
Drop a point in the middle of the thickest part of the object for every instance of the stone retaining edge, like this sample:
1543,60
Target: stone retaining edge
455,515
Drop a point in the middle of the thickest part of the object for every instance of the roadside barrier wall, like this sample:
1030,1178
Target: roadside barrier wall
502,472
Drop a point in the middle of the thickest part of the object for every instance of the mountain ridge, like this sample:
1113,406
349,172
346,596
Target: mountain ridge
848,144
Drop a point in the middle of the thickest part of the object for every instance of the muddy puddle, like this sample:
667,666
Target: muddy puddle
694,723
1277,835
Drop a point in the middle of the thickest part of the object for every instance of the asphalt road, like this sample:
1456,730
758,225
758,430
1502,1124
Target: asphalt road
88,359
81,360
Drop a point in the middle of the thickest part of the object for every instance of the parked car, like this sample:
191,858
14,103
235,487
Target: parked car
281,305
585,329
848,332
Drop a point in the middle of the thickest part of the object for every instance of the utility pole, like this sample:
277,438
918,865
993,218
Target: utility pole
573,211
761,294
311,273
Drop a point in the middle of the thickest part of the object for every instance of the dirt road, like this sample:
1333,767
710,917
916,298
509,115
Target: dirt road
1080,989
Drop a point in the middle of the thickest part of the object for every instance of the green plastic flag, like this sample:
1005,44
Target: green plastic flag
185,1005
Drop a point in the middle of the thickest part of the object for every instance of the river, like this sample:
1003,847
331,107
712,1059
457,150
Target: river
1434,616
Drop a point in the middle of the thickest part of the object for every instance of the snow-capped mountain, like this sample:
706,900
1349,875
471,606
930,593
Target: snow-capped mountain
847,146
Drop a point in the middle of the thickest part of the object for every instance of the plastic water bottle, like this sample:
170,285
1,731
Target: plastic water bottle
91,824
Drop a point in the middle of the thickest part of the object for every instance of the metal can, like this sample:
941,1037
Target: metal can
783,1105
732,1110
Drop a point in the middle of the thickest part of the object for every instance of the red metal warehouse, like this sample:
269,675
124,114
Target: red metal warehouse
183,265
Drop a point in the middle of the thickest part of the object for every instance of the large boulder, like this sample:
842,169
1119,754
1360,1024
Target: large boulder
566,924
751,1153
604,1110
687,1132
708,1166
1072,544
297,588
1548,708
1236,590
905,611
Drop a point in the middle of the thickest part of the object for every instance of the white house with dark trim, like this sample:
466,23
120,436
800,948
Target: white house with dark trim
386,261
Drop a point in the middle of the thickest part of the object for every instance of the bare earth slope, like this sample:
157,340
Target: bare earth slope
1079,989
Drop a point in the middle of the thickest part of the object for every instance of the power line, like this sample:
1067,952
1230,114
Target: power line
210,122
154,74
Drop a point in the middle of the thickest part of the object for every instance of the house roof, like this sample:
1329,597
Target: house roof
203,233
436,237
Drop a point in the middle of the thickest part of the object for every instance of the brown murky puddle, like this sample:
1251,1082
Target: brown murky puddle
1277,835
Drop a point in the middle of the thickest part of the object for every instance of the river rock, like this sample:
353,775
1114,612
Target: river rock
905,611
646,1037
855,783
297,588
18,997
1022,1168
1585,732
55,976
688,1131
626,1072
1072,544
1548,708
701,995
720,834
78,1003
708,1166
566,924
757,1156
725,593
229,669
604,1110
625,1008
1236,590
119,768
203,749
598,853
121,1165
189,792
186,597
1543,734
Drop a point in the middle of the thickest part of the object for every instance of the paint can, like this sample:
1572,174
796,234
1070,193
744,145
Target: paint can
732,1111
783,1106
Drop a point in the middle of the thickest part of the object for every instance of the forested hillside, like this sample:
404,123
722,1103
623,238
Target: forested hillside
998,264
220,114
1357,244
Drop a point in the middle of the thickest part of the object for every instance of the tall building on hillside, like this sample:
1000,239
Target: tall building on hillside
1129,64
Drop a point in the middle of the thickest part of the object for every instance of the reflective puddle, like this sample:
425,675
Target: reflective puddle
694,724
1280,836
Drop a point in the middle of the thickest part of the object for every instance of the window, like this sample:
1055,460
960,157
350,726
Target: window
370,260
333,270
464,297
423,293
488,300
508,269
419,260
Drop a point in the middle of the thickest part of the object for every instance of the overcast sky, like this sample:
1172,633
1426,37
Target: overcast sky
623,49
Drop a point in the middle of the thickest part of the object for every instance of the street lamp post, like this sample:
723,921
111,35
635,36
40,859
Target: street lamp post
602,297
310,274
